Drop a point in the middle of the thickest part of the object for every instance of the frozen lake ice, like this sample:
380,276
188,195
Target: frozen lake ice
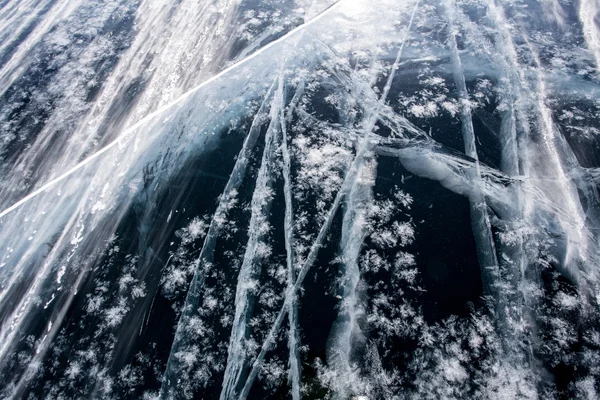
305,199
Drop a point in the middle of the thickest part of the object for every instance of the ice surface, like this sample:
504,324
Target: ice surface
290,198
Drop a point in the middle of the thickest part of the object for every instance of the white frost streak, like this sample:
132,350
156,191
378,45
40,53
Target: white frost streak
540,155
589,13
251,266
294,337
480,220
346,332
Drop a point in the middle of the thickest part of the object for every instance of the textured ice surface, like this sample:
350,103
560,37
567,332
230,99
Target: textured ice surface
233,199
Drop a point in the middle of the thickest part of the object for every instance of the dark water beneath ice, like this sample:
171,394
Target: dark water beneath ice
142,275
